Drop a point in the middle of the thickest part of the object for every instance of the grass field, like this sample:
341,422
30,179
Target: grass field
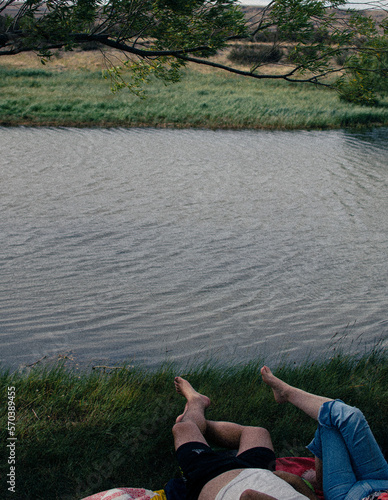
80,433
72,92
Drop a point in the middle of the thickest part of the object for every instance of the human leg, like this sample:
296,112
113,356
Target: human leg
237,437
367,459
190,426
337,472
194,455
353,465
224,434
254,437
285,393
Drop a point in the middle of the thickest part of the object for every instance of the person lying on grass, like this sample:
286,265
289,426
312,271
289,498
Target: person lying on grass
250,475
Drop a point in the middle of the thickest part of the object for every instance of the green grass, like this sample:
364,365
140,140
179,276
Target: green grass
80,433
215,100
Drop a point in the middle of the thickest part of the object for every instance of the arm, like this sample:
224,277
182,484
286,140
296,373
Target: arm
297,483
318,469
255,495
314,476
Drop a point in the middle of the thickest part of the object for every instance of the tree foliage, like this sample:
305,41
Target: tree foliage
319,41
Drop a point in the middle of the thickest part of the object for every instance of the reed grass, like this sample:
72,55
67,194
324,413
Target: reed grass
83,432
82,98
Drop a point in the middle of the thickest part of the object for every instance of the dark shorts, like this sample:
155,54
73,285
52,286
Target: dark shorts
199,464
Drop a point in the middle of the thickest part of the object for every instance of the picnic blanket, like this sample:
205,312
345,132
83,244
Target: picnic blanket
300,466
128,494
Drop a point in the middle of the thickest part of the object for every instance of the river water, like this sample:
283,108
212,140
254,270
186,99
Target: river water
151,245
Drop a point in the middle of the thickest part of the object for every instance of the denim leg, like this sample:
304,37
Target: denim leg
316,444
363,489
367,459
337,471
342,441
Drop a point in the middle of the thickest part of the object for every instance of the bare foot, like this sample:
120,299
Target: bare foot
280,389
184,388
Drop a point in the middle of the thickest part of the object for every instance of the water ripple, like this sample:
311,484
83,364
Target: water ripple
180,245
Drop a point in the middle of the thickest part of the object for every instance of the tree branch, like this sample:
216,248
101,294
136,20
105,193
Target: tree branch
230,69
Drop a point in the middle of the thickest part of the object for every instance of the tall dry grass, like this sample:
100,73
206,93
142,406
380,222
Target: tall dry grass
70,91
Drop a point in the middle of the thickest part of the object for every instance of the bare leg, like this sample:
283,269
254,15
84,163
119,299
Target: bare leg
237,437
191,425
307,402
224,434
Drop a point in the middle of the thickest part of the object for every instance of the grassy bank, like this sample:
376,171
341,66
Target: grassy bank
81,97
79,433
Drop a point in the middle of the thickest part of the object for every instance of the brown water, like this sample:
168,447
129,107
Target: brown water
155,245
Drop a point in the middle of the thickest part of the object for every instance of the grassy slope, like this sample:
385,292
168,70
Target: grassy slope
83,433
81,97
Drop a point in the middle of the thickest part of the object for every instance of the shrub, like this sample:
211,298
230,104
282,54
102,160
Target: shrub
266,36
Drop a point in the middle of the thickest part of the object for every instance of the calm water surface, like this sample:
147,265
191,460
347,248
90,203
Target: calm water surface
155,245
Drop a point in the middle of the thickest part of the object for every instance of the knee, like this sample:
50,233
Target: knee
263,431
355,413
258,436
180,428
340,413
260,432
176,428
354,418
345,412
254,429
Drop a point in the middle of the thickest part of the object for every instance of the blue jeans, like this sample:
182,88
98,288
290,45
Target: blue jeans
352,462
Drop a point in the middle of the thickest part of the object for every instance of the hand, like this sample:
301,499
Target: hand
297,483
310,476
